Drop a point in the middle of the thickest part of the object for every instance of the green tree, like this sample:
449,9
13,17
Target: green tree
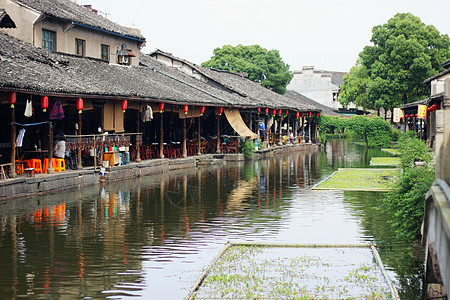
355,87
376,132
406,200
262,65
404,53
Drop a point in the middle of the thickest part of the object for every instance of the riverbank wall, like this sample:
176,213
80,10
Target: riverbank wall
47,183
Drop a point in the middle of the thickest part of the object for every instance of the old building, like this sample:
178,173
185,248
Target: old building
319,85
66,27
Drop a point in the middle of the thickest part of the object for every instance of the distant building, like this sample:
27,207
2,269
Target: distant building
319,85
66,27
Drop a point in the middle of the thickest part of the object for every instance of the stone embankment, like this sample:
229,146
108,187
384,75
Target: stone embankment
48,183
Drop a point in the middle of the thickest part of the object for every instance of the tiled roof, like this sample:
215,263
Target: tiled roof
71,12
31,69
257,95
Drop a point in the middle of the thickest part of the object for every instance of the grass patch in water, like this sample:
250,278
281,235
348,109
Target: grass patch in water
249,272
359,179
391,151
385,161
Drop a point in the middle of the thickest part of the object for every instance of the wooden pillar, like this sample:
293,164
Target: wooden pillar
250,121
184,139
218,134
161,137
303,129
79,166
50,148
138,140
199,142
295,130
13,143
309,129
280,142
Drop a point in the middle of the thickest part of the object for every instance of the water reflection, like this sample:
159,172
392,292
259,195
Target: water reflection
153,236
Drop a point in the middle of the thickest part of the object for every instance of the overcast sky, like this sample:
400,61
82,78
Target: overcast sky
327,34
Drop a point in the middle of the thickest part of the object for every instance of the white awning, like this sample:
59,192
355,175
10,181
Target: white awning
235,120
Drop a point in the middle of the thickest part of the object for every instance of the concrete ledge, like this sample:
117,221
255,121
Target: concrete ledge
47,183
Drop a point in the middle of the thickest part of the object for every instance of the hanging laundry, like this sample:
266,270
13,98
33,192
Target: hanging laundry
19,139
28,109
147,114
56,113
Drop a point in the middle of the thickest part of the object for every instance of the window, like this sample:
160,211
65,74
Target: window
49,40
105,52
80,47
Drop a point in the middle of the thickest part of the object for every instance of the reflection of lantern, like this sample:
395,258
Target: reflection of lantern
185,109
220,110
297,115
80,105
309,114
318,114
123,105
202,110
161,107
267,110
279,112
12,99
258,110
44,103
274,112
287,112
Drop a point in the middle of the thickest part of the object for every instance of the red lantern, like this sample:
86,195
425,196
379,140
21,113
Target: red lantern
274,112
202,110
318,114
123,105
44,103
279,112
303,114
258,110
417,115
12,99
297,115
80,105
437,106
220,110
185,109
309,114
287,112
267,110
161,107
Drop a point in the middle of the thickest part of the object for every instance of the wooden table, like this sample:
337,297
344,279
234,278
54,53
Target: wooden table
112,157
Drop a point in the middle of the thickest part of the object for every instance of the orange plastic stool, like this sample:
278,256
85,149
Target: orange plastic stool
19,167
59,164
45,165
36,164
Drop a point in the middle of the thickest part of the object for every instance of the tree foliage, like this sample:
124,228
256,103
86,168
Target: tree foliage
404,53
262,65
406,200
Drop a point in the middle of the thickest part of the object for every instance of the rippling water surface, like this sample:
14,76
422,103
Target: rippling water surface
152,237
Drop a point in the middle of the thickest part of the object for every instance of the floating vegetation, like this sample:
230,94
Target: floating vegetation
385,161
319,272
358,179
391,151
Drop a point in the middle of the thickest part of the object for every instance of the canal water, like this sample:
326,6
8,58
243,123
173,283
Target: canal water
152,237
